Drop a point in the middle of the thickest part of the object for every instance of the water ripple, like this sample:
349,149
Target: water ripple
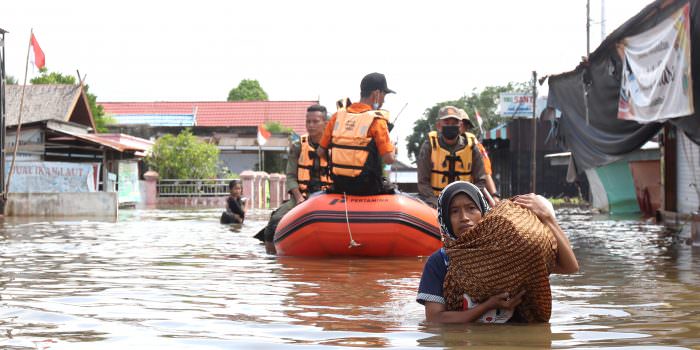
170,279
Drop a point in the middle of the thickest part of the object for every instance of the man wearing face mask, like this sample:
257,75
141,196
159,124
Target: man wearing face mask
464,129
358,138
448,156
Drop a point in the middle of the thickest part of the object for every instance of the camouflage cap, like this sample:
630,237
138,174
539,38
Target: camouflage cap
465,118
448,112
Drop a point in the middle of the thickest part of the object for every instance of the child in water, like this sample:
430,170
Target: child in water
235,208
461,205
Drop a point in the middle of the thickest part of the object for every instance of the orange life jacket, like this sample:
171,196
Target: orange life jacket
307,157
484,155
351,143
485,158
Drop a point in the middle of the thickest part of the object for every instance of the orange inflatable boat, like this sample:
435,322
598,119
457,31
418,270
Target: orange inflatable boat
387,225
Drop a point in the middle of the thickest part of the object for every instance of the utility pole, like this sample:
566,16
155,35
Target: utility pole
602,20
2,117
588,28
533,164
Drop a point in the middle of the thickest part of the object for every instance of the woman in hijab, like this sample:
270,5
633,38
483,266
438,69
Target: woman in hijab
461,205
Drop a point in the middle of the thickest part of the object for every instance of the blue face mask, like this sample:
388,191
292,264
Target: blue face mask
375,105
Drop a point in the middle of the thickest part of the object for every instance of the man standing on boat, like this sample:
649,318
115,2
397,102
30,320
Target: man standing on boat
448,156
358,139
306,172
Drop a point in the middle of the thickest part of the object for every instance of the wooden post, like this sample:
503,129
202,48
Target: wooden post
533,164
105,171
2,115
6,185
588,28
669,168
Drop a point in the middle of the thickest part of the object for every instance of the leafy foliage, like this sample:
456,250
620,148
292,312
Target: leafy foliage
10,80
101,120
485,101
277,127
276,162
47,77
247,90
183,157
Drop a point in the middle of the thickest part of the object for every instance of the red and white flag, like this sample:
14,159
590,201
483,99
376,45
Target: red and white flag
263,135
39,58
479,121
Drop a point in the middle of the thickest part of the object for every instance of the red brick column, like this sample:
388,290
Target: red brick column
264,179
275,190
248,182
151,181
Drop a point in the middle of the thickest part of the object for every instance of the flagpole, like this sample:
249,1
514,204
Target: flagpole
19,118
3,114
259,157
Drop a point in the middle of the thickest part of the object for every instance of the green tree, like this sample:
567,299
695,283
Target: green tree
47,77
101,119
276,162
485,101
278,128
247,90
10,80
184,157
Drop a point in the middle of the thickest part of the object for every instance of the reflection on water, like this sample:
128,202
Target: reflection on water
167,279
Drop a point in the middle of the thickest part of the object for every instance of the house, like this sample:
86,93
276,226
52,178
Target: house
59,152
510,149
599,121
626,186
232,126
404,176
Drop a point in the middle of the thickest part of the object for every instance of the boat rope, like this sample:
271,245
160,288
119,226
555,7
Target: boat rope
352,244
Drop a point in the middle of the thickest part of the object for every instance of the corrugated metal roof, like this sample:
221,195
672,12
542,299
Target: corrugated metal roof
243,113
118,142
155,119
499,132
253,141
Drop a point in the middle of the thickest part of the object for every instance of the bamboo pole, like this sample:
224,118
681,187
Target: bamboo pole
19,119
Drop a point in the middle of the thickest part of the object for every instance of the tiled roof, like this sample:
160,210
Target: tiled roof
244,113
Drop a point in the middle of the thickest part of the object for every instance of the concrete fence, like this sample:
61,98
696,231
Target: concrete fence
258,186
262,190
63,205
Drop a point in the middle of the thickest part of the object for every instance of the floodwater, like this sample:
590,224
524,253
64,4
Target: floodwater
168,279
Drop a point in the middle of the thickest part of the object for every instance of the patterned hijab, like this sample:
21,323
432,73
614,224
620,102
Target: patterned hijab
445,198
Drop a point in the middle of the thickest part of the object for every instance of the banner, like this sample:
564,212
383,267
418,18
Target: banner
128,182
519,105
38,177
656,81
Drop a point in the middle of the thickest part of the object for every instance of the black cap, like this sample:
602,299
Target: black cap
375,81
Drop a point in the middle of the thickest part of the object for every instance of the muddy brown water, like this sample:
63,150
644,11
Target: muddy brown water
176,279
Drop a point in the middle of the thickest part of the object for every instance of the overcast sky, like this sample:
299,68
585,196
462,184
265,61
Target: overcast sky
430,51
